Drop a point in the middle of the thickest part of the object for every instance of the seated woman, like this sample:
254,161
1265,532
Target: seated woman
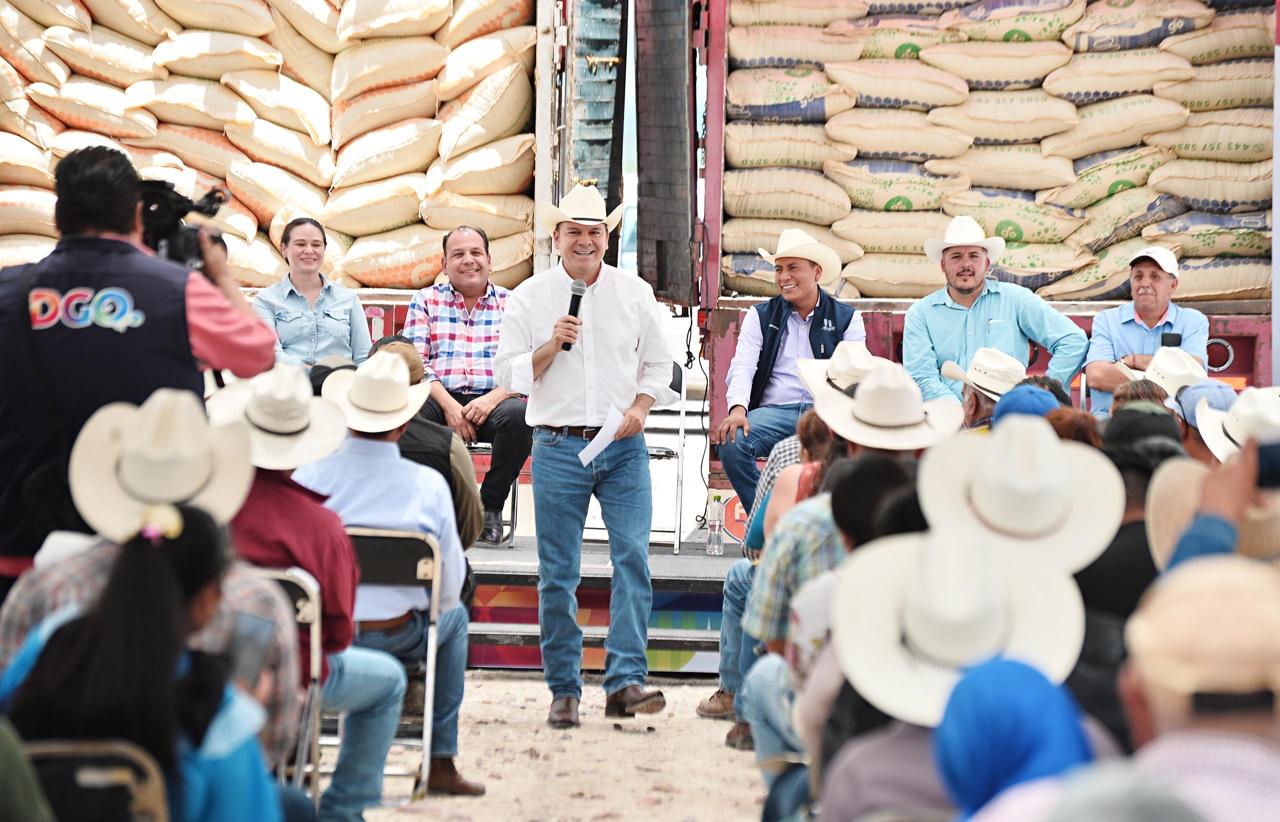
797,483
122,671
313,318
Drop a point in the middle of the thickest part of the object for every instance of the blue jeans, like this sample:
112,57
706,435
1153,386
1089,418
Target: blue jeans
562,489
368,687
765,703
737,648
769,423
409,645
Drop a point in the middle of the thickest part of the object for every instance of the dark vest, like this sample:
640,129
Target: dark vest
111,326
831,319
428,443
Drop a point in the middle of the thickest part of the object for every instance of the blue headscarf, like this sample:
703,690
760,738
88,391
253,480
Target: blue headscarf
1005,724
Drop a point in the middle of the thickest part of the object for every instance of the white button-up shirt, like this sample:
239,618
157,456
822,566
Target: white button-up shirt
620,351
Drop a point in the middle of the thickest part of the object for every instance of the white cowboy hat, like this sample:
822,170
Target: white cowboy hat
131,459
991,371
964,230
583,205
849,363
887,411
911,612
795,242
1161,256
376,397
1173,500
1022,487
1171,369
288,426
1256,414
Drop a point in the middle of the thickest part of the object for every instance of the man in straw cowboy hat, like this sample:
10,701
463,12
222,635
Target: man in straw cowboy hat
1125,338
1186,401
975,310
764,394
991,374
368,483
283,525
580,372
127,461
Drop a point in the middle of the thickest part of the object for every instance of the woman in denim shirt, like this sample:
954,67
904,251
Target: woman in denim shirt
313,318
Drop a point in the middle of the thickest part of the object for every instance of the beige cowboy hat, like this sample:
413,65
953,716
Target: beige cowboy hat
795,242
583,205
1021,486
1256,414
911,612
964,230
1170,368
887,410
129,460
1173,499
991,372
849,363
376,397
288,426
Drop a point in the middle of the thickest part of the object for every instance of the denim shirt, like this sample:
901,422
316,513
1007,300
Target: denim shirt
334,326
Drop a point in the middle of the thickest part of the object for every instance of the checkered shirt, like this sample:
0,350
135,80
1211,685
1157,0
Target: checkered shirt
457,346
785,453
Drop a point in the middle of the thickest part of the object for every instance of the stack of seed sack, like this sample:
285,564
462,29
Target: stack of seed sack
390,121
1077,132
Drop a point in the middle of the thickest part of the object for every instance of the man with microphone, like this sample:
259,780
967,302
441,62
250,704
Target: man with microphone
602,361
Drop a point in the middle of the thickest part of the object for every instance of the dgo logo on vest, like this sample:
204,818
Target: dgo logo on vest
82,307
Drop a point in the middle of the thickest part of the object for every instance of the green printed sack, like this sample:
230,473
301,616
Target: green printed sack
1013,21
902,276
1014,215
1035,265
1100,175
1107,279
1216,235
1237,36
1122,216
891,232
893,185
901,37
744,235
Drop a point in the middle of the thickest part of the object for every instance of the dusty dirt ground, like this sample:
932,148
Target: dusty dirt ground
668,766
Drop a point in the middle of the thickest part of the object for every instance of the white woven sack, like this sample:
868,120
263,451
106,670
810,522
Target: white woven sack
381,107
1102,75
187,101
21,163
784,194
898,84
999,117
266,142
510,251
408,257
1007,167
248,17
900,36
1229,37
994,66
101,54
410,145
742,235
1014,215
1223,278
893,185
793,12
283,101
391,18
211,54
1035,265
20,249
499,215
27,210
1122,216
1106,279
50,13
93,106
902,276
1219,188
201,148
315,20
476,59
509,278
1134,24
795,95
139,19
254,264
393,61
1013,22
502,167
72,139
23,47
1102,175
305,62
1238,135
500,106
790,46
1211,235
896,135
13,86
760,145
891,232
1115,124
372,208
1233,84
27,120
336,244
476,18
265,189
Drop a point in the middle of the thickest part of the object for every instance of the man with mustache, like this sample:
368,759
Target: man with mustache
976,311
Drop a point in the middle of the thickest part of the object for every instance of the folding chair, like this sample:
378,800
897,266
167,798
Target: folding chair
99,780
304,594
406,558
477,449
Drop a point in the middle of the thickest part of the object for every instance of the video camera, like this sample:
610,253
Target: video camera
162,228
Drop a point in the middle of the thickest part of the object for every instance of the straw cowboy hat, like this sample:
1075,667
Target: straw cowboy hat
376,397
1170,368
991,372
964,230
911,612
795,242
583,205
1022,487
288,426
886,411
849,363
1173,499
130,460
1256,414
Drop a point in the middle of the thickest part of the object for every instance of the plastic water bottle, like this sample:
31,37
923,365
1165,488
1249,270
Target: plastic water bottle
715,527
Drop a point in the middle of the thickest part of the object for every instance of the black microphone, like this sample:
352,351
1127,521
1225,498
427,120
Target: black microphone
575,302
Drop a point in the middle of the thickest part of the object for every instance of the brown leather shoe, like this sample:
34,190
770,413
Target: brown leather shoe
444,780
739,737
717,706
633,700
563,713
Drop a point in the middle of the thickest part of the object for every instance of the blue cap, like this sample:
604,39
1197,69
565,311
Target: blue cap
1220,396
1024,399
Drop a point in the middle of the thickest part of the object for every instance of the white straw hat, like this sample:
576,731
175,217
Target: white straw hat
1173,500
288,426
886,412
964,230
583,205
1171,369
376,397
1255,414
991,371
795,242
849,363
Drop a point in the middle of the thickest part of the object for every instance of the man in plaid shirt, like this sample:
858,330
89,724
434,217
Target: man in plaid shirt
455,326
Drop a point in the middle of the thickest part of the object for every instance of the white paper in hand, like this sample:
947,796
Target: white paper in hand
602,438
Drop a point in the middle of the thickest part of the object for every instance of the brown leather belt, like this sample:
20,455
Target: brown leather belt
387,624
581,431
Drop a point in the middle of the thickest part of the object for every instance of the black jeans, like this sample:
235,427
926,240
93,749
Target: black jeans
505,430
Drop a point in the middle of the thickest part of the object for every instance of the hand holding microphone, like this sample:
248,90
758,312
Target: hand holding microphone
577,289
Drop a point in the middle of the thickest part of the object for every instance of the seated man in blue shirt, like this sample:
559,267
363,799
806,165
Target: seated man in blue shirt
765,396
369,484
1128,335
975,311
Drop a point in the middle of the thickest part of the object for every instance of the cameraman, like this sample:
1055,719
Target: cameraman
108,322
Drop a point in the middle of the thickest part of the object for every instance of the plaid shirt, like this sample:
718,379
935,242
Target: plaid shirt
79,579
805,544
457,347
785,453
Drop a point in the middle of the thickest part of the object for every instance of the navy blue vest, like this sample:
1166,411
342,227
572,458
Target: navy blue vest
831,319
111,326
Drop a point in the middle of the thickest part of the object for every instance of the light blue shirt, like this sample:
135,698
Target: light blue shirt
1006,317
334,326
368,484
1119,331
